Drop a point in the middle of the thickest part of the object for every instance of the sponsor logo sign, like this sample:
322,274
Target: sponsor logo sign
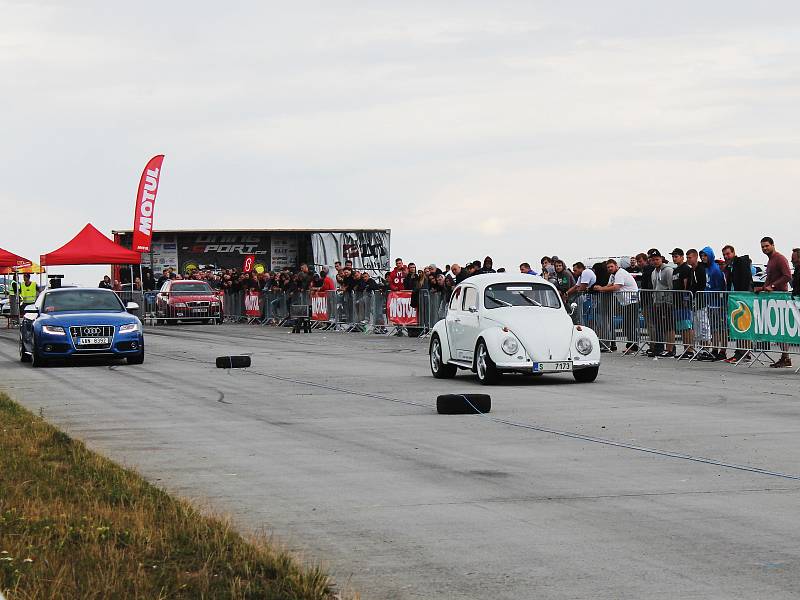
766,317
146,204
249,262
399,310
319,306
252,303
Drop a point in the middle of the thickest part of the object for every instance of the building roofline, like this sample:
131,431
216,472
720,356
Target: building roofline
214,230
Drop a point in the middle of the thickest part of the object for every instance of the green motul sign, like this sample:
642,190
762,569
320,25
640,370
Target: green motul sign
765,317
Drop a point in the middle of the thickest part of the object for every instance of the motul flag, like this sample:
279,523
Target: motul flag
399,310
146,204
252,303
249,261
319,306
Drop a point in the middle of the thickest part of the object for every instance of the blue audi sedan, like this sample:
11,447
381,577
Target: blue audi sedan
74,322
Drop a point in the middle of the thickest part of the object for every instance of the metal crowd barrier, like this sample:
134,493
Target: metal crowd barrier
691,325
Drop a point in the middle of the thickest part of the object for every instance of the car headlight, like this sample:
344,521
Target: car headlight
509,345
129,327
180,305
584,345
53,330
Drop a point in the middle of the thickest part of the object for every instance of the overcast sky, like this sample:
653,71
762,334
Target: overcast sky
514,129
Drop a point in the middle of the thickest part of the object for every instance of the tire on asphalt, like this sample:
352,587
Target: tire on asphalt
23,356
484,366
463,404
438,369
586,375
233,362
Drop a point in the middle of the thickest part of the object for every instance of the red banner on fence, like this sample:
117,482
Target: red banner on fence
399,310
319,306
252,303
146,204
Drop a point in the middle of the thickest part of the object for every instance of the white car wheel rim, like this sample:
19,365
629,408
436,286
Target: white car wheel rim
435,353
482,362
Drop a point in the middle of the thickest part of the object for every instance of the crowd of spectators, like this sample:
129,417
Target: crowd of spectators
691,272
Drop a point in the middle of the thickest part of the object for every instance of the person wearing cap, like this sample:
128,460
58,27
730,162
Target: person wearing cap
645,262
663,316
681,278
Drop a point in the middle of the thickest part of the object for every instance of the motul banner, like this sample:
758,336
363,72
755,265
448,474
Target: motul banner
399,310
249,262
252,303
146,204
319,306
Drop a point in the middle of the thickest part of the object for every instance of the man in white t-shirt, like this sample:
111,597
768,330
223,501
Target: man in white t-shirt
584,281
626,293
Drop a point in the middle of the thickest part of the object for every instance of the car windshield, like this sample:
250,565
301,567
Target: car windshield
190,288
81,300
521,294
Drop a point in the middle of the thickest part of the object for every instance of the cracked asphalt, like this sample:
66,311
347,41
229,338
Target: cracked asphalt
331,443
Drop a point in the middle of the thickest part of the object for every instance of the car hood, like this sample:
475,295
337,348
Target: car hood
546,333
183,297
67,319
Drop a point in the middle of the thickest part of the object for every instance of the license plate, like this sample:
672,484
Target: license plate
92,341
200,310
552,367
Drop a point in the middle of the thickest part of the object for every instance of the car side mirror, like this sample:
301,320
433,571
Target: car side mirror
473,309
572,308
132,307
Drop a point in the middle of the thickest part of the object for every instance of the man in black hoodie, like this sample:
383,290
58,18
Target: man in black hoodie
796,276
738,273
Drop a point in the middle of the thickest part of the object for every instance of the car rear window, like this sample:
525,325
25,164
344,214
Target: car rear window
520,294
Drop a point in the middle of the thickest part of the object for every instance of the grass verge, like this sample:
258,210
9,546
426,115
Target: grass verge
75,525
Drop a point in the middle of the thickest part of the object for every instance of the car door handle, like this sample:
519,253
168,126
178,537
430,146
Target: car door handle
457,320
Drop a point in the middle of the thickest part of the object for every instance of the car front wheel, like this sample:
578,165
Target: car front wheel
36,358
136,360
23,356
439,369
485,368
586,375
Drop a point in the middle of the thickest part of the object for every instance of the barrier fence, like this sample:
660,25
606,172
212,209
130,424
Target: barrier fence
692,324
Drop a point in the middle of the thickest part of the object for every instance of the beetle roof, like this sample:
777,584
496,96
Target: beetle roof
481,281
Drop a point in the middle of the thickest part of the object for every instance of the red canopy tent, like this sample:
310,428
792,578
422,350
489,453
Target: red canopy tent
9,259
90,247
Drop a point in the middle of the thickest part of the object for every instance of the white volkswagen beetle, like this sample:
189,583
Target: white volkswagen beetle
505,322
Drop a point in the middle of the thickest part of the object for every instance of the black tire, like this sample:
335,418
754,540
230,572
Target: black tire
136,360
23,356
439,369
586,375
463,404
36,358
484,367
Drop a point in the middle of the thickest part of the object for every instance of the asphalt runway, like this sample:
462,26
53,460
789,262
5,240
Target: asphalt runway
331,442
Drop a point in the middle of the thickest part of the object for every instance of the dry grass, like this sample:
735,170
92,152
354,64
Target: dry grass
75,525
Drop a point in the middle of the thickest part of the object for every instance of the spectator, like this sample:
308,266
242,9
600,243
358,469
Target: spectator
562,279
454,271
586,279
715,304
397,276
624,289
796,276
697,284
662,308
778,277
681,277
106,283
410,280
525,268
738,272
488,265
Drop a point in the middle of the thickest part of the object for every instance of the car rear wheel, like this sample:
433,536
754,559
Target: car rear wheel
586,375
136,360
485,368
439,369
23,356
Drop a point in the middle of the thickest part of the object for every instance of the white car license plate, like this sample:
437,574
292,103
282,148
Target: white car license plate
552,367
200,310
91,341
